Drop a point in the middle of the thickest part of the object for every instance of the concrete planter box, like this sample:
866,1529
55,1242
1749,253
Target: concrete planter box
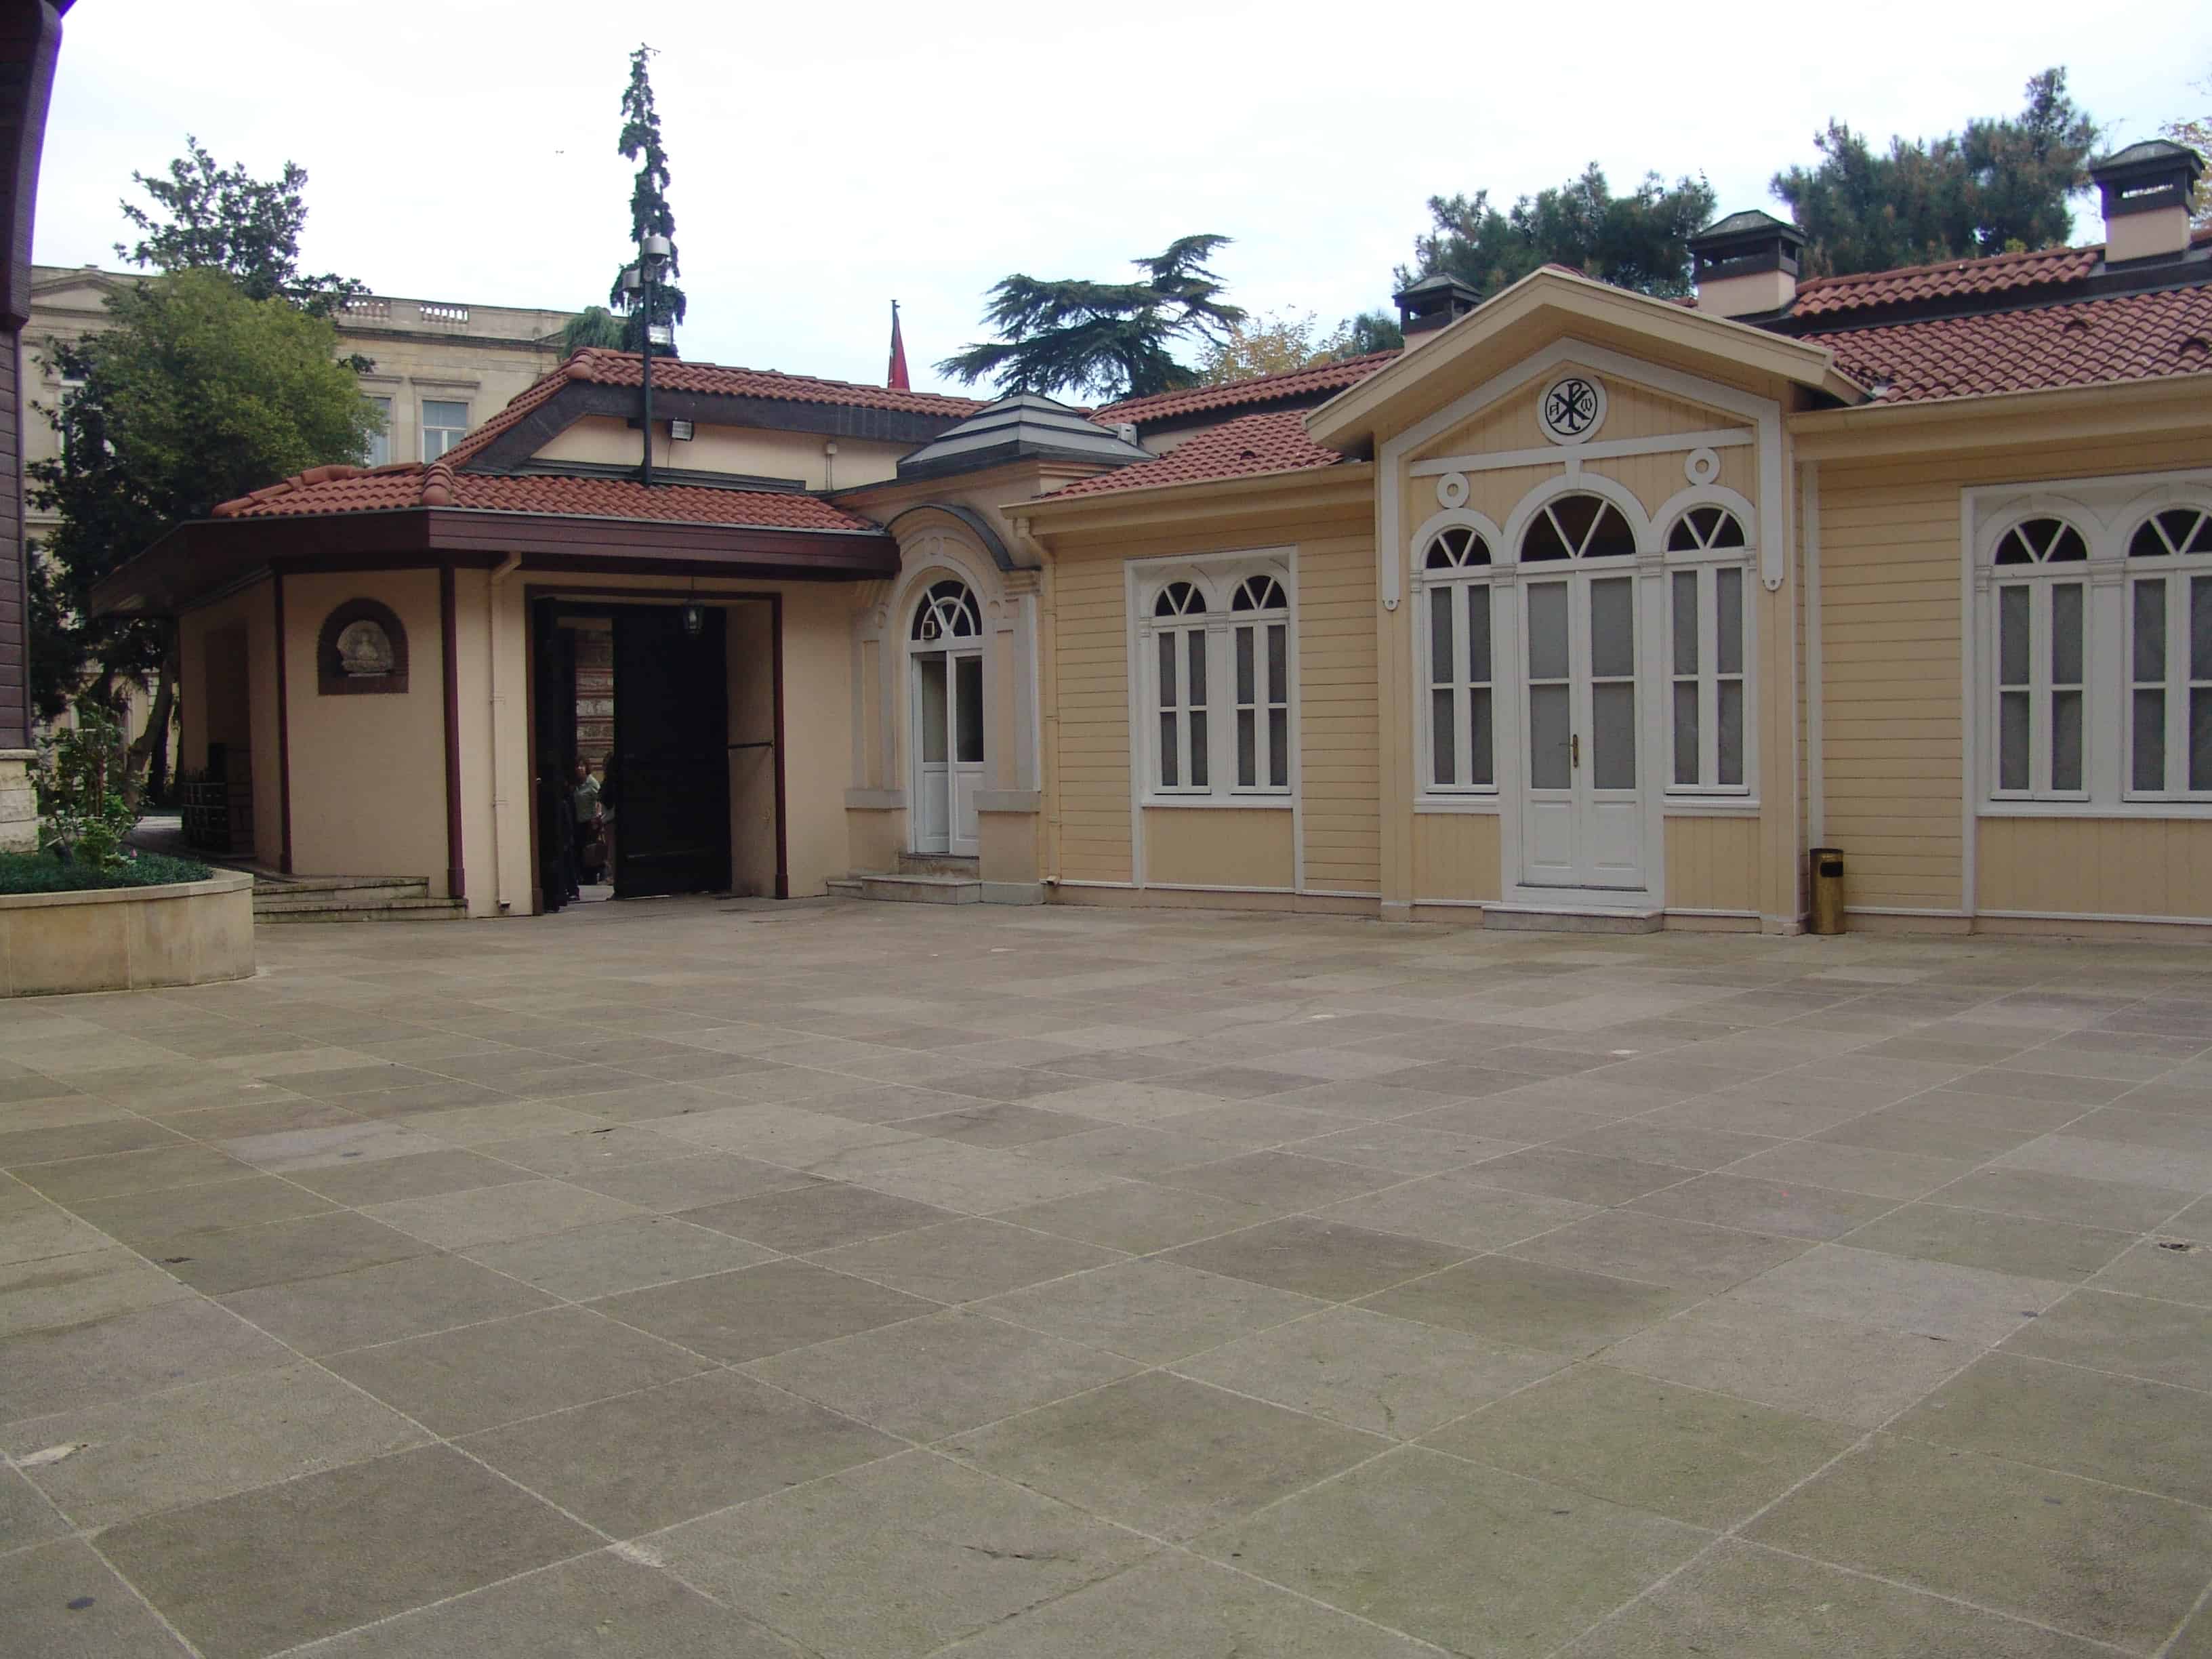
127,938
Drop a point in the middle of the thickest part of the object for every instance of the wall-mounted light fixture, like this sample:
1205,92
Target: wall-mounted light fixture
680,431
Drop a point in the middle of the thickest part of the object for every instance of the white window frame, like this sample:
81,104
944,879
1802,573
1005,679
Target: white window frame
1706,564
383,440
424,428
1655,648
1460,589
2179,574
2107,511
1217,578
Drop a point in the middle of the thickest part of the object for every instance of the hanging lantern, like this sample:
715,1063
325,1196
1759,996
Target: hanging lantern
694,619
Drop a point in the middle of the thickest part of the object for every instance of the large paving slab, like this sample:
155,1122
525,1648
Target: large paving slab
876,1280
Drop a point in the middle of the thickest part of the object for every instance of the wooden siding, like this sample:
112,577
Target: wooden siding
2096,866
1089,743
1891,640
1091,755
1218,846
1340,772
1712,864
1455,856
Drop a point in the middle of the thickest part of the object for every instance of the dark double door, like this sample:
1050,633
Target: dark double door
671,793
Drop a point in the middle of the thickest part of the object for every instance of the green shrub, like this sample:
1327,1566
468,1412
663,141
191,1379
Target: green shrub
83,774
42,873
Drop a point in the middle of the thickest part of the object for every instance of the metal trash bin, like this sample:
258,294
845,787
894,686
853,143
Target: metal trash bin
1827,890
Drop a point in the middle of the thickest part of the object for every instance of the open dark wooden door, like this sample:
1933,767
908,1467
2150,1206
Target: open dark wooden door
553,726
671,754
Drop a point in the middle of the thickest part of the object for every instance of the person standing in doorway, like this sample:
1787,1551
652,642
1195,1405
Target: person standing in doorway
584,799
610,804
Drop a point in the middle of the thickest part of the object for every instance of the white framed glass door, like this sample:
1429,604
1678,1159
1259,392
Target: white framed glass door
947,725
1583,806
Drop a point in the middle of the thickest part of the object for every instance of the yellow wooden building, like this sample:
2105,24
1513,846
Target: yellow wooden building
1587,610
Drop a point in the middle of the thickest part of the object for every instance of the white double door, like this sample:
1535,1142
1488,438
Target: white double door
947,727
1583,821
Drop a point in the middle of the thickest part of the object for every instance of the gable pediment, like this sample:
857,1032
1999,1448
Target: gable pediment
1537,313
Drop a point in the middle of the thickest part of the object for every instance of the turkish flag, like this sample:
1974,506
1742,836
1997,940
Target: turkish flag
897,379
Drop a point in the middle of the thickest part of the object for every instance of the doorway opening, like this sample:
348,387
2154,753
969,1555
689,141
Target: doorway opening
944,721
657,744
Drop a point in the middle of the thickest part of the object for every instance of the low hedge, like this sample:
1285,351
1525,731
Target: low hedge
42,873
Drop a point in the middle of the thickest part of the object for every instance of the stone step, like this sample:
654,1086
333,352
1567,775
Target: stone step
412,908
292,887
267,903
938,864
902,888
1571,918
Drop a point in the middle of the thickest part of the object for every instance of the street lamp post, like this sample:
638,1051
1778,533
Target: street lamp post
642,280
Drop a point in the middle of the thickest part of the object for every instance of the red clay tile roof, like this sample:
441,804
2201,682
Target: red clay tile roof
600,366
327,490
2130,336
2000,273
1235,394
1247,446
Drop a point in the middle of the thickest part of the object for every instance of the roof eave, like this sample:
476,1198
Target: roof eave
206,556
2063,414
1349,478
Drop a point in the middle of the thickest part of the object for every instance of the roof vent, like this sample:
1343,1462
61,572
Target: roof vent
1433,304
1747,265
2147,188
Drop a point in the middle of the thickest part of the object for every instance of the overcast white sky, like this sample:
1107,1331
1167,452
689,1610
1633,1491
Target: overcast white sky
829,159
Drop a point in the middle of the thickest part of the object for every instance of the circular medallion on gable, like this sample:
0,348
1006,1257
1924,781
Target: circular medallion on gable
1572,408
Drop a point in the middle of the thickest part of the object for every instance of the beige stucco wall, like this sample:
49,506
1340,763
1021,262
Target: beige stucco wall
1219,847
752,635
1891,716
749,451
367,773
253,609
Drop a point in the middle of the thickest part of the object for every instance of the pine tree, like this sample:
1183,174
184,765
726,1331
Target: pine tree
649,214
2002,183
1108,340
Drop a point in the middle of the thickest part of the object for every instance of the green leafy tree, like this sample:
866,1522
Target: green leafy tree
1639,240
2004,183
2196,133
594,325
1278,343
1107,340
1370,331
649,214
209,218
193,394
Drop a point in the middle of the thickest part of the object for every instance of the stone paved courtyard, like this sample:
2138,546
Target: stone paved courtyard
872,1280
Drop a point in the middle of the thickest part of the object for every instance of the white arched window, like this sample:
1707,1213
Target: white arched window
1215,649
1709,556
2169,655
1454,574
2041,660
947,611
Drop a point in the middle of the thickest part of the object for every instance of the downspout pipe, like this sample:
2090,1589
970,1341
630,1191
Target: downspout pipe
498,806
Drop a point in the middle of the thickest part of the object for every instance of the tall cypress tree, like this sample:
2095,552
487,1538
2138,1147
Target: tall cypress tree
649,214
